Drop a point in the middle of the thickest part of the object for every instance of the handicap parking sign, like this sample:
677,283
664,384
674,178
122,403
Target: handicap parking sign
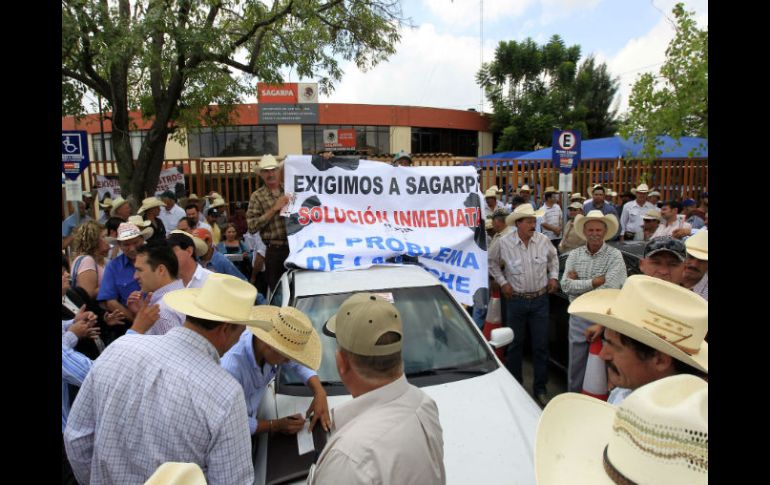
74,153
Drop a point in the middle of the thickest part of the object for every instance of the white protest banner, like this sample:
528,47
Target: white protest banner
351,214
168,180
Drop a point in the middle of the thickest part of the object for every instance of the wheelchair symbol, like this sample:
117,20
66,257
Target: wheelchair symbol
70,147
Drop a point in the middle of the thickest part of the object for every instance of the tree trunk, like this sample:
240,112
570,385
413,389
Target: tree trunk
121,141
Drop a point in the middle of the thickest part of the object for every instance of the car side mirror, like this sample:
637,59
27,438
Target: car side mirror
501,337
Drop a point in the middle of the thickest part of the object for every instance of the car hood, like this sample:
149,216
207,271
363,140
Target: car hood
489,424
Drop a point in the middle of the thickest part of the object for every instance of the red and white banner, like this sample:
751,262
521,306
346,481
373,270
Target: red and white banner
351,214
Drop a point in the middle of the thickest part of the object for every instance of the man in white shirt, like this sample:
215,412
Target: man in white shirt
170,213
552,217
631,218
187,248
390,432
671,222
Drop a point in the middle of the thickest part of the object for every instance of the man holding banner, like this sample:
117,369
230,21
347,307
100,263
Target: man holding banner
263,216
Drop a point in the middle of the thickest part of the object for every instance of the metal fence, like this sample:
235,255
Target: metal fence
235,180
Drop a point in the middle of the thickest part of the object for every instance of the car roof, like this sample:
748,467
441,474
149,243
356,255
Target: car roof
308,282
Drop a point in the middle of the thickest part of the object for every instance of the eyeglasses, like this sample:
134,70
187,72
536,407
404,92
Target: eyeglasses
667,243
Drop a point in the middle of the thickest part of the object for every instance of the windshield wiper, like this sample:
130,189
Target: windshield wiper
450,370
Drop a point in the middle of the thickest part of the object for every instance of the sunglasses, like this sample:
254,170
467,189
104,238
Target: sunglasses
667,243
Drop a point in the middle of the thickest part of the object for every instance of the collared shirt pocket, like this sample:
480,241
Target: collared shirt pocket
514,266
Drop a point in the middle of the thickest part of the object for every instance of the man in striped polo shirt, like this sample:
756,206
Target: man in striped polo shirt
595,265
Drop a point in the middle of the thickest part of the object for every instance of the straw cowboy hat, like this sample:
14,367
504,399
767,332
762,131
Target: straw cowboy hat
643,188
525,188
520,212
577,196
128,231
222,298
492,192
139,222
201,248
192,197
106,203
596,215
213,195
149,203
658,435
550,189
173,473
116,203
698,245
290,332
652,214
576,205
662,315
217,202
268,162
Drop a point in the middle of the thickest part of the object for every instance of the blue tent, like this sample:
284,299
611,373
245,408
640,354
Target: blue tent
494,160
616,146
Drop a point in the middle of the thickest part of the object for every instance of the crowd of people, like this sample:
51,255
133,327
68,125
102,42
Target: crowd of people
168,345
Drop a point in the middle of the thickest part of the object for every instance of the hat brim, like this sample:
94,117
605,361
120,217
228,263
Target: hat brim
145,234
698,254
571,436
595,305
309,356
151,206
610,220
183,301
272,167
116,207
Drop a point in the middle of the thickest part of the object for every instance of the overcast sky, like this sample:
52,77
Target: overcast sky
436,61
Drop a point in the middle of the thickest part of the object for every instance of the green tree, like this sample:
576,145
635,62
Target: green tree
676,104
172,59
536,88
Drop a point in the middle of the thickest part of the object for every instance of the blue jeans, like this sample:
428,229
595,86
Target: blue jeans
531,314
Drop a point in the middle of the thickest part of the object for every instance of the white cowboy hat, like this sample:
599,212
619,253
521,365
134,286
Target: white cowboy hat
268,162
138,221
596,215
290,332
192,197
698,245
222,298
550,188
576,195
149,203
492,192
525,188
173,473
213,195
116,203
658,435
576,205
106,203
642,188
662,315
654,192
652,214
217,202
128,230
520,212
201,248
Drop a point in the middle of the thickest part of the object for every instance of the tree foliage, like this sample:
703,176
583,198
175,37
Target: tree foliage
172,59
536,88
676,103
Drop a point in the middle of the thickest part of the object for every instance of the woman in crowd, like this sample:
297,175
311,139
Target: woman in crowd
90,249
232,244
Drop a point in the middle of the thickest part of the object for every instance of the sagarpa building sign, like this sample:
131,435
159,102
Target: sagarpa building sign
287,93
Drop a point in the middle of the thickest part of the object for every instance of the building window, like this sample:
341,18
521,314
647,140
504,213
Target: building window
233,141
442,140
373,140
136,139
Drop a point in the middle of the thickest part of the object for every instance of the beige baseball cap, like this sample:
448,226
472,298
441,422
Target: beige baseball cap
361,320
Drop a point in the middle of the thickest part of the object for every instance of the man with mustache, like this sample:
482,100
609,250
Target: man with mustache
668,324
696,265
531,272
592,266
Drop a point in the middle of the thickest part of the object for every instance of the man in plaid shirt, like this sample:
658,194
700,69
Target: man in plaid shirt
264,217
595,265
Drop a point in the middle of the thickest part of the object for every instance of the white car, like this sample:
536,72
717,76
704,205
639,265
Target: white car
489,421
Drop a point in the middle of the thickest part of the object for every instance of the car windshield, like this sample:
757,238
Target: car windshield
439,343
